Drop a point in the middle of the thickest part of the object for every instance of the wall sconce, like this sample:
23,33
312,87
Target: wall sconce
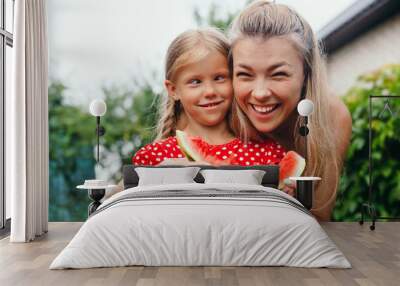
305,108
98,108
304,185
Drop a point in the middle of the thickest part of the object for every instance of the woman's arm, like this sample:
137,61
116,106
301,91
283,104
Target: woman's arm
342,131
112,191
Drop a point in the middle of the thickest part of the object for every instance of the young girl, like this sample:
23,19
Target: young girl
199,102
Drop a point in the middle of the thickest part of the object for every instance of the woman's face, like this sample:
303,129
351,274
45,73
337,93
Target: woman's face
267,80
204,89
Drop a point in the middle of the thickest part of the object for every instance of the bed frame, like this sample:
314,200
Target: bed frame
270,179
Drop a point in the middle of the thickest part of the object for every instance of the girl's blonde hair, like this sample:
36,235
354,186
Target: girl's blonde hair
189,47
264,19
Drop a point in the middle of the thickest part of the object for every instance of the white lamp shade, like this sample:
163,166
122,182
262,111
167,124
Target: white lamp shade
305,107
98,107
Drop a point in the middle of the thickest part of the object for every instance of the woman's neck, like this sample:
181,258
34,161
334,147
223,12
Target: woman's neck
284,133
215,135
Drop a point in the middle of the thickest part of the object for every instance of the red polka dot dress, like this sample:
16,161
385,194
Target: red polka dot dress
267,152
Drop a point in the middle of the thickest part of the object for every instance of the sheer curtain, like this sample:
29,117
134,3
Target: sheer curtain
28,123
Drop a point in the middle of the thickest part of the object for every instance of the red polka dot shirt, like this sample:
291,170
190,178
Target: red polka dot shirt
267,152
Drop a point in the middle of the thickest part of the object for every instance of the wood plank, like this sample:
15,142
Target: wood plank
374,255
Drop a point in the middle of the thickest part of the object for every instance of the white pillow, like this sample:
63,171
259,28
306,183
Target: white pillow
164,176
248,177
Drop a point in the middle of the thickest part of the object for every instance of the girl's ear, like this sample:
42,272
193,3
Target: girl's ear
171,89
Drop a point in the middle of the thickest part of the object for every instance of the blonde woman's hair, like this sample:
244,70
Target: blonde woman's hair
264,19
189,47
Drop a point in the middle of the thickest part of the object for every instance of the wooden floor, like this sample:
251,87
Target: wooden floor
374,255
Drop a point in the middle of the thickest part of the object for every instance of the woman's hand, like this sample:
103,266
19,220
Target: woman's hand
112,191
290,187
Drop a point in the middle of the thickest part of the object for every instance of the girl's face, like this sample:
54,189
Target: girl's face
267,80
204,89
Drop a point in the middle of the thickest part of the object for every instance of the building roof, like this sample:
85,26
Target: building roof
361,16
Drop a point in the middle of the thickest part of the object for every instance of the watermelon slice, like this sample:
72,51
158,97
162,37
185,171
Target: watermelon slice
196,149
292,165
192,147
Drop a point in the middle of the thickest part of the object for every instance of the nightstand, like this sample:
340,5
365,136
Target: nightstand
96,191
305,190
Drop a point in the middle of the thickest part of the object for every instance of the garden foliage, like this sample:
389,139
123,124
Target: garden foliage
385,146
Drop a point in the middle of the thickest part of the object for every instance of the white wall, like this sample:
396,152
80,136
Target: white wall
377,47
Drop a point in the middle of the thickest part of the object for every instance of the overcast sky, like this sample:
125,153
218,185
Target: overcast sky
94,43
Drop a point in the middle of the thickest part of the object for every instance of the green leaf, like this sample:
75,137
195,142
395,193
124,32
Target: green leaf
385,146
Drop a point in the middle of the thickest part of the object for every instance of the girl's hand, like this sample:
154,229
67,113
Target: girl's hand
175,161
290,187
182,161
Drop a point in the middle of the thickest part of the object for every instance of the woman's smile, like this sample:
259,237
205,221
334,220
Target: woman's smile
264,109
264,112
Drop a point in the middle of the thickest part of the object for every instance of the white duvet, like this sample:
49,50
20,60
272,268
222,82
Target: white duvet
182,231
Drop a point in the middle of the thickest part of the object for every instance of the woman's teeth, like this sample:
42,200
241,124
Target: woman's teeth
264,109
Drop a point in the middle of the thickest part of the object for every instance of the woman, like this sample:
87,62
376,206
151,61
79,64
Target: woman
276,62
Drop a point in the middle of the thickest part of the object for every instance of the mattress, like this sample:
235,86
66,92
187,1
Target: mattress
201,225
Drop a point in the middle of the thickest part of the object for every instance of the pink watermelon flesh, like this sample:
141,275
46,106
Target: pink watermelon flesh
196,149
292,165
192,147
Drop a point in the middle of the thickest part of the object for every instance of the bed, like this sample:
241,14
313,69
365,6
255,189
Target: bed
201,223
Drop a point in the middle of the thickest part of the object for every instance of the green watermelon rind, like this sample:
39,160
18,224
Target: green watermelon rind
186,147
195,149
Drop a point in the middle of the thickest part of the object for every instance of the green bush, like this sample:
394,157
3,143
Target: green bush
129,123
71,141
354,184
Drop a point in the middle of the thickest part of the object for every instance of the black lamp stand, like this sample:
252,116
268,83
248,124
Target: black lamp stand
95,195
100,131
304,132
304,188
